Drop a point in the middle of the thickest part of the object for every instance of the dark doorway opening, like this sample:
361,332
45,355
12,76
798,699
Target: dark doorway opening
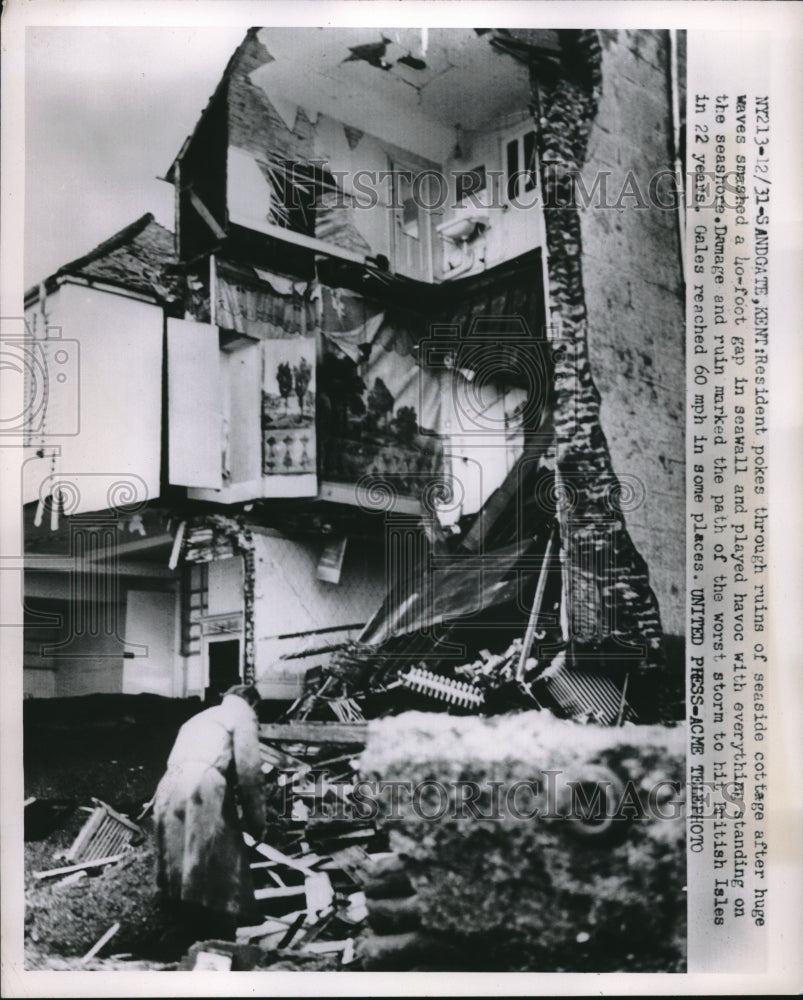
224,668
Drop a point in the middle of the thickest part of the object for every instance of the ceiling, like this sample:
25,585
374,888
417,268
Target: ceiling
354,75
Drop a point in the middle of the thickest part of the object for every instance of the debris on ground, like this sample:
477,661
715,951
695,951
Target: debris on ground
105,833
325,895
79,867
306,884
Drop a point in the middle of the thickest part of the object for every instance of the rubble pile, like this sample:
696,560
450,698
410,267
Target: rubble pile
339,887
305,872
363,682
91,902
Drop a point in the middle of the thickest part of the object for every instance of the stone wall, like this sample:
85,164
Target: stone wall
635,303
604,291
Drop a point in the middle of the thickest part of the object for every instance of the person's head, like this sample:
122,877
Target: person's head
248,692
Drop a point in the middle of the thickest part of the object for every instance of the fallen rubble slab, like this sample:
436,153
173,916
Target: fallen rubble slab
510,890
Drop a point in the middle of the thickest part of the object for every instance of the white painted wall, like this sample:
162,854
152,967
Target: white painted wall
362,174
93,664
150,622
112,380
289,598
82,663
512,229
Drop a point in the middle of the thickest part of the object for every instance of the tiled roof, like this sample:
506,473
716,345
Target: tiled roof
139,258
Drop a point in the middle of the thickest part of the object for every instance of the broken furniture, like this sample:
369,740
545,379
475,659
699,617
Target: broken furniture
105,833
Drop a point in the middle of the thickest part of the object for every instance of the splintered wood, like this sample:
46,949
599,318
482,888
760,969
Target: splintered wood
306,883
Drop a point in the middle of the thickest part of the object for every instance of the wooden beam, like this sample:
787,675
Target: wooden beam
310,243
63,565
135,545
343,493
115,927
206,215
275,892
315,732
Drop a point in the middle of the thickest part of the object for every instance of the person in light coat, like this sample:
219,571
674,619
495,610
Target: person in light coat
211,792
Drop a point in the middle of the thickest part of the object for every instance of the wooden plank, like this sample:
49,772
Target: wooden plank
315,732
119,817
282,759
85,834
323,947
273,925
294,928
101,942
206,215
279,892
67,869
277,856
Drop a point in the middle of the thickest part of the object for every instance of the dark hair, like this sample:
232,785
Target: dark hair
248,692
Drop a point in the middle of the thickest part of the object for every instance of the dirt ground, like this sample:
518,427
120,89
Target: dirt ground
113,748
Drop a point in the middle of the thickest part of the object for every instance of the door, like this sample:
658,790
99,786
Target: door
224,667
411,224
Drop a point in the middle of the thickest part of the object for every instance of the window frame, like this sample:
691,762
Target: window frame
522,174
425,236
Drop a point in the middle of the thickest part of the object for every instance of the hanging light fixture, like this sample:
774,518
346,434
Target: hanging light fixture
457,152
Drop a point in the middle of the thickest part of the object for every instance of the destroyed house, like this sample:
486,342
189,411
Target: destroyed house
415,396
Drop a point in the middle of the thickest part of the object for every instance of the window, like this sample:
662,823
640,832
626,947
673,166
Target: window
297,191
293,202
409,208
520,166
412,220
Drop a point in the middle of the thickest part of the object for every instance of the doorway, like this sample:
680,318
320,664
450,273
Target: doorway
411,225
224,668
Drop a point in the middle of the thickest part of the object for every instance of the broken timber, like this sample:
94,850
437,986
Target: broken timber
315,732
100,943
68,869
